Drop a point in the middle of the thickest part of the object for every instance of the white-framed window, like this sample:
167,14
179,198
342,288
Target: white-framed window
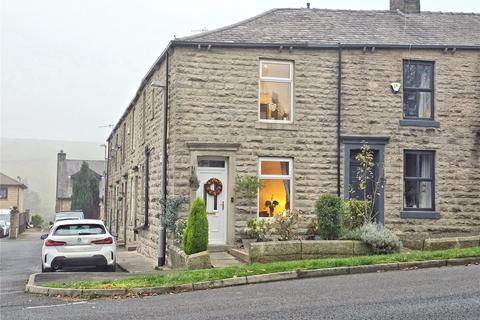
275,194
276,91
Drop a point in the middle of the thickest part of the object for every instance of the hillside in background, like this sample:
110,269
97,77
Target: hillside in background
35,161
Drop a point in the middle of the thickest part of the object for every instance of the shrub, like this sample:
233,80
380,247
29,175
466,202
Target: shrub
171,210
285,224
266,229
356,214
37,220
179,230
252,229
329,210
379,238
196,233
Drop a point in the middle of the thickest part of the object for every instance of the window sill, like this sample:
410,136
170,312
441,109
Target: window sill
419,123
276,126
420,215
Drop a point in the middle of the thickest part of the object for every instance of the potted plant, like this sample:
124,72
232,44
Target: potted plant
271,204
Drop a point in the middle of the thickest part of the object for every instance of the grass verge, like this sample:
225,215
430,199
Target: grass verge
182,277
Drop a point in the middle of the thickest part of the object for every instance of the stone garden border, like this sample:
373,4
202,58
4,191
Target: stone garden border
32,287
180,260
305,249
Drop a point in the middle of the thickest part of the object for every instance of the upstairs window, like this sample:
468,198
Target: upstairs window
3,193
419,179
418,93
275,196
276,88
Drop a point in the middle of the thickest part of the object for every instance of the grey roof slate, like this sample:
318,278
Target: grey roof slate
7,181
351,27
68,168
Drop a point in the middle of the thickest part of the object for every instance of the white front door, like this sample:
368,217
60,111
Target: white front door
216,205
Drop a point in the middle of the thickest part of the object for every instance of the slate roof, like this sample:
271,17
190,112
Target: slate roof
7,181
350,27
67,168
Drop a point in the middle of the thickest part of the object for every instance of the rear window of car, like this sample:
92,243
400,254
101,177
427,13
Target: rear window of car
79,229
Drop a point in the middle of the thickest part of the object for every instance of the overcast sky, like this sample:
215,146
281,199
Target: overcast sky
69,67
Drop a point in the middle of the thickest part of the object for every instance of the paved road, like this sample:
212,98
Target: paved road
443,293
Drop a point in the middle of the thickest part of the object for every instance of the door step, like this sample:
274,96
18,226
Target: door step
218,247
240,254
131,248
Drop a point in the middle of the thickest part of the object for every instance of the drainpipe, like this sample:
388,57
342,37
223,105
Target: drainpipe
147,174
339,105
105,195
163,234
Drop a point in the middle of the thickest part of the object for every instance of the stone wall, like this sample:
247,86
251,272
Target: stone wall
14,198
370,108
213,99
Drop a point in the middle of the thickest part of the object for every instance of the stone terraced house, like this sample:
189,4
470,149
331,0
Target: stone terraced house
291,95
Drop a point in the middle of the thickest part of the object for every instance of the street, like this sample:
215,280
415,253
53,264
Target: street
438,293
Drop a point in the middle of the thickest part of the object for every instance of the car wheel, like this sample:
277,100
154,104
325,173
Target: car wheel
111,268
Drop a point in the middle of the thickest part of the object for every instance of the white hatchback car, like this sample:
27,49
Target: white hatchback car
73,243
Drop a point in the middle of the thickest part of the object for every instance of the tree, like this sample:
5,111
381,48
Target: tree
196,233
366,178
85,193
248,187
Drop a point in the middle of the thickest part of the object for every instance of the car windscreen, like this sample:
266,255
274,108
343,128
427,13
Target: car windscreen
79,229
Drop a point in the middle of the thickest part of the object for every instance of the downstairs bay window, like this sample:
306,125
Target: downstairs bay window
275,194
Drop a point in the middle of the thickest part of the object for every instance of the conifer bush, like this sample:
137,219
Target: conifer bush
329,210
196,233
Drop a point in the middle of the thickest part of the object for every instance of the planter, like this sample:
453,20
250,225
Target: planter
306,249
246,243
180,260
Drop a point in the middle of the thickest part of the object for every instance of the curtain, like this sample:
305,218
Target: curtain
286,183
425,198
424,103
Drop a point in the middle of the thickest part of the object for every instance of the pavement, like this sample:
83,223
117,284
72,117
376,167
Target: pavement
133,262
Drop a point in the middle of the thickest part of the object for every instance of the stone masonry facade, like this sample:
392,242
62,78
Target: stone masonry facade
213,99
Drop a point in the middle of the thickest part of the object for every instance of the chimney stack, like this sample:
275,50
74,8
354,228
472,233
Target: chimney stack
405,6
61,156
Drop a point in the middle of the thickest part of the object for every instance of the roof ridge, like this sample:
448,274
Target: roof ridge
239,23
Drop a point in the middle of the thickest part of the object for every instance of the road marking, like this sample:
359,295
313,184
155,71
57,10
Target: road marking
58,305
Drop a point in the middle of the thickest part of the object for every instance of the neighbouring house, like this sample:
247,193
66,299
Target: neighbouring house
66,171
11,193
291,95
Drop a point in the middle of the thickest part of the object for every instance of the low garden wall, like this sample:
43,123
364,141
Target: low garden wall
450,243
180,260
305,249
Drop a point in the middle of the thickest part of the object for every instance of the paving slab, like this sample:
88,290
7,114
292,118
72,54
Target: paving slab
134,262
223,259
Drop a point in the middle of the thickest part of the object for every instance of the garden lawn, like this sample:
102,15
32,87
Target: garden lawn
183,277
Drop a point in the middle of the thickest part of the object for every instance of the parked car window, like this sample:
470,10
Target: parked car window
79,229
275,195
276,90
419,180
418,90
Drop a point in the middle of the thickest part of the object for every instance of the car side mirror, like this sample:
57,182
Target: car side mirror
43,236
50,223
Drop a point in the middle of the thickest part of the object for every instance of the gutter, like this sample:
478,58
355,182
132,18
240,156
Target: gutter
339,110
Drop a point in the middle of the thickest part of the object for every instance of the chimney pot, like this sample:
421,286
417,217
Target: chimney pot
308,5
405,6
